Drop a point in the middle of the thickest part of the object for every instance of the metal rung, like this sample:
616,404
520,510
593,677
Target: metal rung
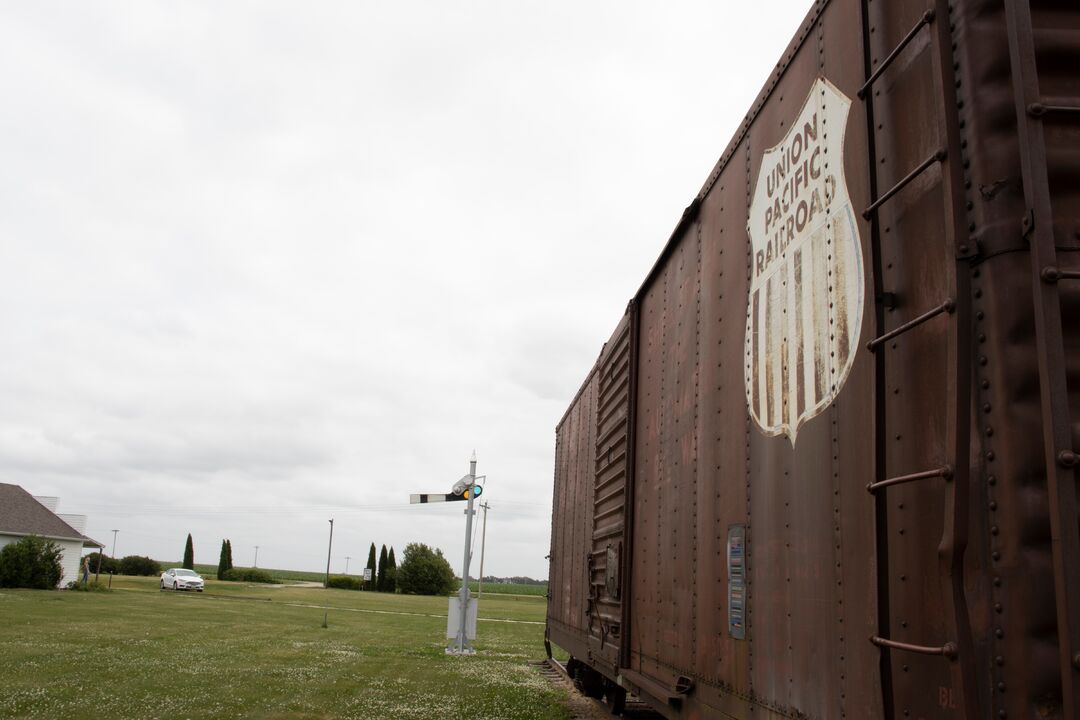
948,306
1052,274
926,19
947,650
945,471
1040,109
936,157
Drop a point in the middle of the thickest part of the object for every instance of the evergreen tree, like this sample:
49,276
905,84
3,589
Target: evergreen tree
380,581
189,554
371,565
228,554
391,572
223,561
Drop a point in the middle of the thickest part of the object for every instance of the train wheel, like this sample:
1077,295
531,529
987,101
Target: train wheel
591,683
586,680
615,697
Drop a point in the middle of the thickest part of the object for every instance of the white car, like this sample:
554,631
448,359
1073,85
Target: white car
181,579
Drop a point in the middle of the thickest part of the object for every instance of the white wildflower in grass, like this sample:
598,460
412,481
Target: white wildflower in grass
137,653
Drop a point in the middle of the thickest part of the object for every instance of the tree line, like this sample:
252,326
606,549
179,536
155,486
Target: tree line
424,570
384,575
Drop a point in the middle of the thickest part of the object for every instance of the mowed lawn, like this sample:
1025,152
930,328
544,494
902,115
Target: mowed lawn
240,651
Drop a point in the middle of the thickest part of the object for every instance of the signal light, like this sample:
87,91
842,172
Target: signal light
476,491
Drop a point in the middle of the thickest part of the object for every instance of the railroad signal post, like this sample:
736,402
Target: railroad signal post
461,618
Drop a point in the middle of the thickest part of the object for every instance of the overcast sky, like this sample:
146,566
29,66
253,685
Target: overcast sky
266,264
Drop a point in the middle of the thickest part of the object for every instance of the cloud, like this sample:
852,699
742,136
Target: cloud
264,265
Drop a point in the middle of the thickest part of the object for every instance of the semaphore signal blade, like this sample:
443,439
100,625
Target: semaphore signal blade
423,498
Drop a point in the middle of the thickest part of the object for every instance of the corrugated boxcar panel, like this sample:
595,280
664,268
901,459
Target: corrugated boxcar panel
859,679
572,610
916,260
585,483
1059,56
1018,617
562,575
555,585
1021,515
776,614
722,660
677,606
559,580
850,573
1008,385
648,500
573,492
667,483
767,622
612,415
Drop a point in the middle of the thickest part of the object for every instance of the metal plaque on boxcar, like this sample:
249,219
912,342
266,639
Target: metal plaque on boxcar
736,568
806,283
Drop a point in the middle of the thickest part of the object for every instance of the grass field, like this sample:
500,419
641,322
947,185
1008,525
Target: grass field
286,576
509,589
249,651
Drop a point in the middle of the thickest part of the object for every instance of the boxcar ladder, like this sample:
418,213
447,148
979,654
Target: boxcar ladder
1032,110
955,309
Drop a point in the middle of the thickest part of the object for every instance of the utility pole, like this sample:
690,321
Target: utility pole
256,556
483,539
328,548
347,559
114,544
326,610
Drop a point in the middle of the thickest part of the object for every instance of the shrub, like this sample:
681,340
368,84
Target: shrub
139,565
344,582
247,575
424,571
91,586
32,562
108,564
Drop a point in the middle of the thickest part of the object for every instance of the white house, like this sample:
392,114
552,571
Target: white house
22,514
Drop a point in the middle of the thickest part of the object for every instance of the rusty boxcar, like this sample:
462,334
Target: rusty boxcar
825,466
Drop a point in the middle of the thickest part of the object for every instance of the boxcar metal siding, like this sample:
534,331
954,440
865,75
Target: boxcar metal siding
608,508
915,259
575,457
1015,612
828,564
724,451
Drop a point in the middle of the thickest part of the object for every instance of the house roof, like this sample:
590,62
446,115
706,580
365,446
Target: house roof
21,514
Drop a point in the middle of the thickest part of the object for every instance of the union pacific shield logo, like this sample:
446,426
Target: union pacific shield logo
805,302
